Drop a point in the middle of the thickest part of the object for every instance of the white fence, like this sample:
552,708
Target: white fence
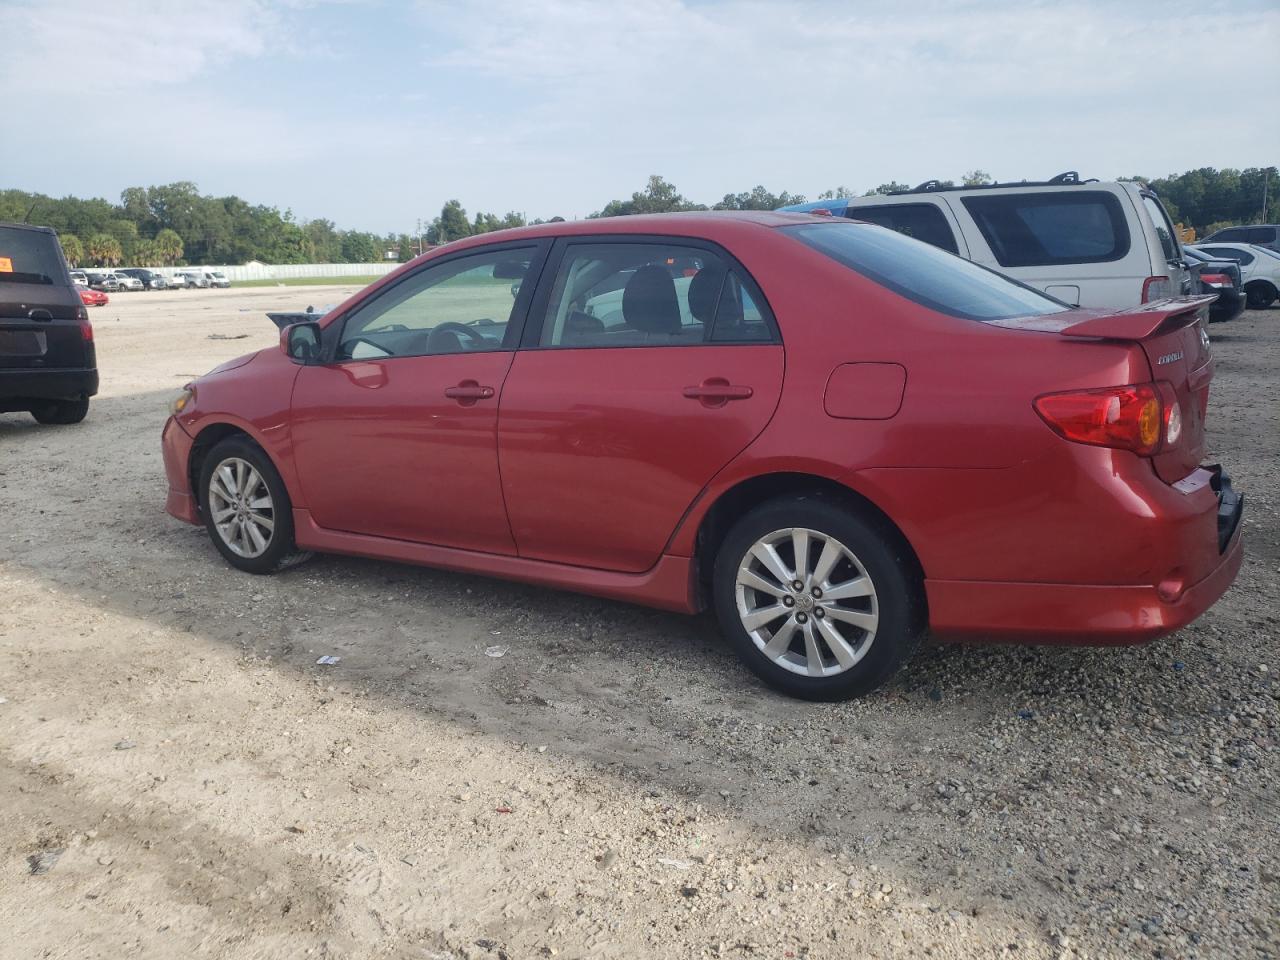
286,271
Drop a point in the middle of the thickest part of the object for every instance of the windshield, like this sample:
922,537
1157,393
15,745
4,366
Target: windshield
925,274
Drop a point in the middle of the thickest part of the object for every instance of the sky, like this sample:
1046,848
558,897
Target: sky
373,114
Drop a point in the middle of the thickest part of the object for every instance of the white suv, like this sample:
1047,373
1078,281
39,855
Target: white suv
1089,243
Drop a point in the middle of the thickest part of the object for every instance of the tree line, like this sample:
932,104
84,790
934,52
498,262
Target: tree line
175,224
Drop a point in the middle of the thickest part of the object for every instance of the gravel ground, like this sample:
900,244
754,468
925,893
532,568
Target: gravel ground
179,778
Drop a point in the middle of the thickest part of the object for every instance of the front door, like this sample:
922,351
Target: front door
654,365
396,437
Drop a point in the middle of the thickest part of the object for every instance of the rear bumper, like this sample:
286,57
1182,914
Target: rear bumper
1083,613
48,384
175,444
1228,306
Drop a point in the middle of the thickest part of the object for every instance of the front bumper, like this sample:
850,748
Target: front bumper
1089,614
70,384
175,444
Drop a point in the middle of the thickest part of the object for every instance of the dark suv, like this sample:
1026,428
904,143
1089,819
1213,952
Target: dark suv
1260,234
47,361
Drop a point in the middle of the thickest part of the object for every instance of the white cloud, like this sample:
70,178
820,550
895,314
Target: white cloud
130,47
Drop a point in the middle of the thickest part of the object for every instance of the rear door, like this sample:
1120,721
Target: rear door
648,365
40,310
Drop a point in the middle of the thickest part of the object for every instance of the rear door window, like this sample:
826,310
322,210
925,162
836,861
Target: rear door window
29,256
923,221
1041,229
618,294
1232,235
1229,253
1261,235
924,274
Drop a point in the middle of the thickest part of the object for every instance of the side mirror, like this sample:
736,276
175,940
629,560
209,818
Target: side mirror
300,342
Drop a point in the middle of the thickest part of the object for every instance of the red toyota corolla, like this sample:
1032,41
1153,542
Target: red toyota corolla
838,437
93,298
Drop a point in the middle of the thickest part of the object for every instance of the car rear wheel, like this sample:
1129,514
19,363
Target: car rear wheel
61,411
246,508
818,601
1259,295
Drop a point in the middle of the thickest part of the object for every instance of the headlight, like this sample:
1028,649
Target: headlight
183,400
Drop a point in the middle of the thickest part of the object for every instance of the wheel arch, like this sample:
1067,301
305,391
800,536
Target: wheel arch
1266,282
209,436
750,492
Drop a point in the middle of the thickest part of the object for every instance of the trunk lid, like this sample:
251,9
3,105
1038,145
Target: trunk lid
1172,336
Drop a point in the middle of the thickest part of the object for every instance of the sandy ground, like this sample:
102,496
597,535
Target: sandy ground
178,778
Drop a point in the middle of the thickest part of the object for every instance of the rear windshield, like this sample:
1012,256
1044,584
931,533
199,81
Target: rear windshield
29,256
924,274
1040,229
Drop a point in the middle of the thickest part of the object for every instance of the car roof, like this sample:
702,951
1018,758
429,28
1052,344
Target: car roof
25,226
693,223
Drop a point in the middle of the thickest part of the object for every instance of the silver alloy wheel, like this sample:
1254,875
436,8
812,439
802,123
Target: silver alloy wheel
240,503
807,602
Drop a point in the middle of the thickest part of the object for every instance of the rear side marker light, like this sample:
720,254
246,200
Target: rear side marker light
1156,288
1141,417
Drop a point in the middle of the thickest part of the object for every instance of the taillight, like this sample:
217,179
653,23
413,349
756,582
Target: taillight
86,328
1156,288
1217,280
1140,417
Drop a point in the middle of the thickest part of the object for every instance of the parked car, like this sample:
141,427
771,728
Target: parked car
948,451
1087,243
1261,235
149,279
107,282
93,298
1259,268
79,279
195,278
127,281
217,279
1220,277
47,362
178,281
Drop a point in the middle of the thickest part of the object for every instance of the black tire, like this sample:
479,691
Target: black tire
883,557
280,551
61,411
1259,295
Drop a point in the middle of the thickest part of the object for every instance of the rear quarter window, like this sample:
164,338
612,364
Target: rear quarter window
921,221
29,256
924,274
1043,229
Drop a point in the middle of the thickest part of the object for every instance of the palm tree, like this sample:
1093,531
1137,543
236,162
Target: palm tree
104,250
72,248
168,246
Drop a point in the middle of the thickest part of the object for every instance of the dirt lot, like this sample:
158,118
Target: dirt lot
615,785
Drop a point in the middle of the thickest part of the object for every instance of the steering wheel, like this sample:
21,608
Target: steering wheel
450,326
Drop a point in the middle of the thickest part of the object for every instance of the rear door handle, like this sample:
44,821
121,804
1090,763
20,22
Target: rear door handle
468,392
717,391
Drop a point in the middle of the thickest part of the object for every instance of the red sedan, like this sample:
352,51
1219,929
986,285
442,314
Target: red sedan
93,298
839,438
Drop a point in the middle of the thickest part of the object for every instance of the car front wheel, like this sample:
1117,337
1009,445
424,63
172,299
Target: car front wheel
246,508
819,602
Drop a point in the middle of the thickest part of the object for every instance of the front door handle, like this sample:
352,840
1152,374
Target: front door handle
468,392
717,391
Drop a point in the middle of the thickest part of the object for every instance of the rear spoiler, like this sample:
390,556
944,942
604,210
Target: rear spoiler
1141,322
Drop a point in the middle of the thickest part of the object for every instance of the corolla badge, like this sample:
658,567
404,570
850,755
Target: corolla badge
1170,358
